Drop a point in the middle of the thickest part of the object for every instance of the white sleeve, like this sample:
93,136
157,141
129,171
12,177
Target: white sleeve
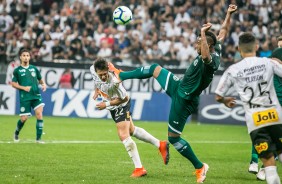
121,92
225,83
277,67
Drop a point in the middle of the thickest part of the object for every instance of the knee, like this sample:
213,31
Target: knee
39,115
123,135
23,119
173,140
153,67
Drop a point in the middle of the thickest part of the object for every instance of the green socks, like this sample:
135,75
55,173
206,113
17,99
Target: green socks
254,155
184,148
139,73
39,129
20,125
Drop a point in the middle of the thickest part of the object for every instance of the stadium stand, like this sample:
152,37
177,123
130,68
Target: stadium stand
163,31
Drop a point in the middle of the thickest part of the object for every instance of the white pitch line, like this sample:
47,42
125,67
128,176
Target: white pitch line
118,142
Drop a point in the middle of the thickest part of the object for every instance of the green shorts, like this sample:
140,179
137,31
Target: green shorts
25,106
180,108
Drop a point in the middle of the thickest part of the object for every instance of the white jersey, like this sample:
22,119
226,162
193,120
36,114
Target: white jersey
252,78
110,89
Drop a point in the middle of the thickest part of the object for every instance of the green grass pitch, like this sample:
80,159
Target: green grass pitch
89,151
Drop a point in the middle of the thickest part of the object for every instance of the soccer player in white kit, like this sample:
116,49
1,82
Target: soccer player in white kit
253,80
117,101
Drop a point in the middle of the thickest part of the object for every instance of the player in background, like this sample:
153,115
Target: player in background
26,78
253,168
117,101
10,69
185,93
252,78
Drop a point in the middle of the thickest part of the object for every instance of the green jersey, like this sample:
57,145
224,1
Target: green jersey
277,53
28,76
199,75
278,87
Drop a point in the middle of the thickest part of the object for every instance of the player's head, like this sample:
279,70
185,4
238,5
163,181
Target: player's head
211,40
247,43
101,68
277,53
24,55
279,41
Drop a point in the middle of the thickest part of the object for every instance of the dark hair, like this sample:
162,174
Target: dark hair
211,35
247,42
23,50
101,64
277,53
279,38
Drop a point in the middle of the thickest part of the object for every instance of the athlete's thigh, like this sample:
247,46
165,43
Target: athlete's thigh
262,141
37,103
178,115
121,114
276,134
123,129
168,81
25,108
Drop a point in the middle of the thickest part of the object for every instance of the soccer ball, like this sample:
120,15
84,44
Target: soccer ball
122,15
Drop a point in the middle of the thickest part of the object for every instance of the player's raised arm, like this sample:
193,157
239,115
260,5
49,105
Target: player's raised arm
205,51
226,24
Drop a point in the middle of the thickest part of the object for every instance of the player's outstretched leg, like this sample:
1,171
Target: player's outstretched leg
139,73
163,146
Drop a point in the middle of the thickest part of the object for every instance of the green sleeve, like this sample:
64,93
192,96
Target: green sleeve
38,74
218,48
15,76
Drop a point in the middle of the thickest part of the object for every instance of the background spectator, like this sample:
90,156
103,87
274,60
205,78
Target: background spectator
66,80
82,30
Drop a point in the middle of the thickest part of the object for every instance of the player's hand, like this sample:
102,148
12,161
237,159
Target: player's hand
43,87
206,27
101,105
232,8
27,88
229,102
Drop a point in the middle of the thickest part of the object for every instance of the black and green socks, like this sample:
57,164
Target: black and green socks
20,125
139,73
184,148
39,129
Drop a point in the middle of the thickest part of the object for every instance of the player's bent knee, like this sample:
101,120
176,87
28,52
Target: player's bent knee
23,119
153,67
173,140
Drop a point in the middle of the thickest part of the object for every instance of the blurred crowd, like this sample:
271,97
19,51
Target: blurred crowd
162,31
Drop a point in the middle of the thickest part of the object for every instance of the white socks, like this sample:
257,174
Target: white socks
132,150
143,135
272,175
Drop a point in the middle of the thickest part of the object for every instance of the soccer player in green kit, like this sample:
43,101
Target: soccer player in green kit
185,93
26,78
